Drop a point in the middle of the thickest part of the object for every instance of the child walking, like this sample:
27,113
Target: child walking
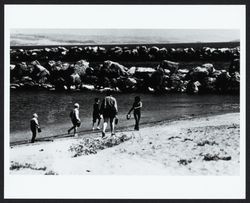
137,105
34,127
74,115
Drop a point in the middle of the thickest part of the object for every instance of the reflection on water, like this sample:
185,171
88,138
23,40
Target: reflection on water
53,108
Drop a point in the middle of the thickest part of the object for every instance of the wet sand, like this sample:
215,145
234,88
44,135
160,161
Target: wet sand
208,145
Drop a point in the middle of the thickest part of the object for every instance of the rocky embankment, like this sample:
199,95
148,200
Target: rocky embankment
47,69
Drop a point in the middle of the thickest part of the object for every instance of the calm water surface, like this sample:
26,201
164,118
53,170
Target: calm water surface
53,109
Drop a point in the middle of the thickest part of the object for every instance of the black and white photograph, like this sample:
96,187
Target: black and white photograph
125,101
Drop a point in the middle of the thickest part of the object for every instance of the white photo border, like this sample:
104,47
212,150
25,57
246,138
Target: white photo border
129,17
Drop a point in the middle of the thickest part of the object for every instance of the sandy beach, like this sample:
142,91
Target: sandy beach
196,146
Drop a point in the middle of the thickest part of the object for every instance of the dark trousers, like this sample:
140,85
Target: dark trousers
33,135
137,116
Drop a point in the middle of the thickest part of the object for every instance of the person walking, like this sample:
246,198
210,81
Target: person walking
75,119
34,127
137,105
96,114
109,111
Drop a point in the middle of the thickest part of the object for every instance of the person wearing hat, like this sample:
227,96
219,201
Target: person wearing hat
74,115
137,105
34,127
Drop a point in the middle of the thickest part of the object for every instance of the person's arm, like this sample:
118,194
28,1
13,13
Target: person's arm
132,108
36,123
116,107
138,107
77,114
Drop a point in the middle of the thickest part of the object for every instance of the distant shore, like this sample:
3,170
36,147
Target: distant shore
208,145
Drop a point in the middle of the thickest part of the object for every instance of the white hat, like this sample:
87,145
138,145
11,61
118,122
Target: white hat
35,115
76,105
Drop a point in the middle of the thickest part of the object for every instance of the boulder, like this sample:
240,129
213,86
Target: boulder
39,72
113,69
60,84
216,73
222,82
80,67
174,82
234,66
153,50
210,67
208,85
183,71
193,87
132,70
21,70
197,73
157,79
234,83
126,84
73,80
172,66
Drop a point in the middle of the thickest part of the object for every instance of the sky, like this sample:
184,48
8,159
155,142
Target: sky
44,36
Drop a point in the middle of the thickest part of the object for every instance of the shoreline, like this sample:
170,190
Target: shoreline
89,132
207,145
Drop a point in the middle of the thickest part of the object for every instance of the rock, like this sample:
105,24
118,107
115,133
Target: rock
172,66
210,67
203,143
60,84
87,87
114,69
216,73
198,73
234,83
21,70
12,67
183,71
184,161
26,79
132,70
210,157
126,84
175,82
80,67
223,81
208,85
234,66
157,79
193,87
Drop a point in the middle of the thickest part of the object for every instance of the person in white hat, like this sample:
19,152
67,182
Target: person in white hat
34,126
76,121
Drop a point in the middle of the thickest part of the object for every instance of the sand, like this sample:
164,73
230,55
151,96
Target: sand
195,146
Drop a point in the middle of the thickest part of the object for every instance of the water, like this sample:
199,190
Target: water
53,109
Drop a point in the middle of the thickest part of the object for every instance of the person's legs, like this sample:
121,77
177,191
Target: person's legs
33,136
105,124
98,124
69,130
137,117
112,125
75,130
138,120
93,125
